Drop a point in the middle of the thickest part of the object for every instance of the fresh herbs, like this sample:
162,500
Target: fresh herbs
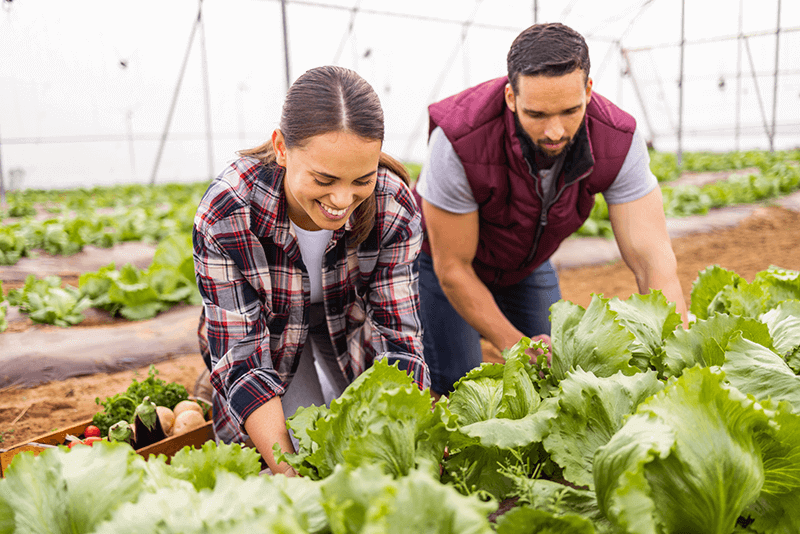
122,406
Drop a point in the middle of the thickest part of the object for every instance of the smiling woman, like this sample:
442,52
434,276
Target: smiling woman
304,254
328,178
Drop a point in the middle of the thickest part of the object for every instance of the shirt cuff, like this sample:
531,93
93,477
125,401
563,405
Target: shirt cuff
250,392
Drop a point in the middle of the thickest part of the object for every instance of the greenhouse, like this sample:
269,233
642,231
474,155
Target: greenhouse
351,266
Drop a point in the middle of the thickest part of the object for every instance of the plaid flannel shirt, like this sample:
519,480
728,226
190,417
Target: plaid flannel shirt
255,289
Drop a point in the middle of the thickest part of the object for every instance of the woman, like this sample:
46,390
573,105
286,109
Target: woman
304,254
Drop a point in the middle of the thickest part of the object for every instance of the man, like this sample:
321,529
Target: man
512,168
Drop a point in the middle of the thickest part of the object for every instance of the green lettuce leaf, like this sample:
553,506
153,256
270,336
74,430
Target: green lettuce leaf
709,282
478,394
651,319
704,343
557,499
381,418
687,461
783,322
525,520
365,500
592,339
781,284
232,505
742,299
777,509
590,411
202,466
758,371
500,415
71,490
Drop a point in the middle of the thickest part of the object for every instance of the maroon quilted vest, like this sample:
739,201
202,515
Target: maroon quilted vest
515,236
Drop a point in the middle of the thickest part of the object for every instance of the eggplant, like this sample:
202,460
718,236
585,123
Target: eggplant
147,428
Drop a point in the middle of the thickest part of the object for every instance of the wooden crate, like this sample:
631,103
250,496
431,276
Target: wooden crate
194,438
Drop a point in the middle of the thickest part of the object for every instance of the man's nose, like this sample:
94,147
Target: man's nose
554,129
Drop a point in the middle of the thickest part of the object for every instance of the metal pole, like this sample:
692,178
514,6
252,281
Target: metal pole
206,94
285,46
174,101
680,83
737,133
347,34
637,92
775,84
758,91
536,11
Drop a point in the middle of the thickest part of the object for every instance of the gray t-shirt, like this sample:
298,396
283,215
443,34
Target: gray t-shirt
451,192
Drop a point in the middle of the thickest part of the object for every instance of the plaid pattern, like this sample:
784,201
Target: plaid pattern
255,290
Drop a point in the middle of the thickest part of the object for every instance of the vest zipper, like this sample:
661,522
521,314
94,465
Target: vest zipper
546,210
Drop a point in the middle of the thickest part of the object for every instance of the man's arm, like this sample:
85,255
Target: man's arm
640,229
454,241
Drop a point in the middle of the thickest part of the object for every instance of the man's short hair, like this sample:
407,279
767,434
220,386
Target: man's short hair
551,49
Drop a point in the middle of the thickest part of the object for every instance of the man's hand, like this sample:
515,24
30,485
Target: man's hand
534,352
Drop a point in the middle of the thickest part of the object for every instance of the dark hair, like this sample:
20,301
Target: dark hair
551,49
333,99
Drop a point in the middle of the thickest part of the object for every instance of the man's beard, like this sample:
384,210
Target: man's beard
537,145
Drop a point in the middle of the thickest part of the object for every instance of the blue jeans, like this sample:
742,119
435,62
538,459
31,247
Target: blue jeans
452,347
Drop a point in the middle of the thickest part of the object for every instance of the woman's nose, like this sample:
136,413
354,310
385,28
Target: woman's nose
342,197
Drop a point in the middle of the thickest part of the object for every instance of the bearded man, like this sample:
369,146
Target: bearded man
512,169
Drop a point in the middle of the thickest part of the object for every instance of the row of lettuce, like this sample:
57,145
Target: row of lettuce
128,291
774,177
639,426
63,222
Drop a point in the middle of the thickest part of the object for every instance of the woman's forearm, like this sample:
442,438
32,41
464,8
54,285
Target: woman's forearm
267,426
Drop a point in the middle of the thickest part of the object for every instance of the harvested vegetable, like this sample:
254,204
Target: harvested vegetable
146,425
122,405
91,432
186,421
167,419
187,405
121,431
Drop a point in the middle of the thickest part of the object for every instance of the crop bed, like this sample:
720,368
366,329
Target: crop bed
767,237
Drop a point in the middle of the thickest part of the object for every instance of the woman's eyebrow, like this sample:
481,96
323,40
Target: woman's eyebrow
332,177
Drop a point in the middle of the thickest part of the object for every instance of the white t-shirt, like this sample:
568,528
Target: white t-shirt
312,245
450,189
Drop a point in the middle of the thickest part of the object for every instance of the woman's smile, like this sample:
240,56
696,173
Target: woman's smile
332,213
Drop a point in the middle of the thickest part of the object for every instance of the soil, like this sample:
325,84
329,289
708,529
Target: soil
768,236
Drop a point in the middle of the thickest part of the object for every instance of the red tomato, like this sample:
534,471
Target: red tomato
75,442
91,432
90,440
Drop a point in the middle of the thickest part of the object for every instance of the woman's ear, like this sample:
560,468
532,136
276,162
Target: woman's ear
279,146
